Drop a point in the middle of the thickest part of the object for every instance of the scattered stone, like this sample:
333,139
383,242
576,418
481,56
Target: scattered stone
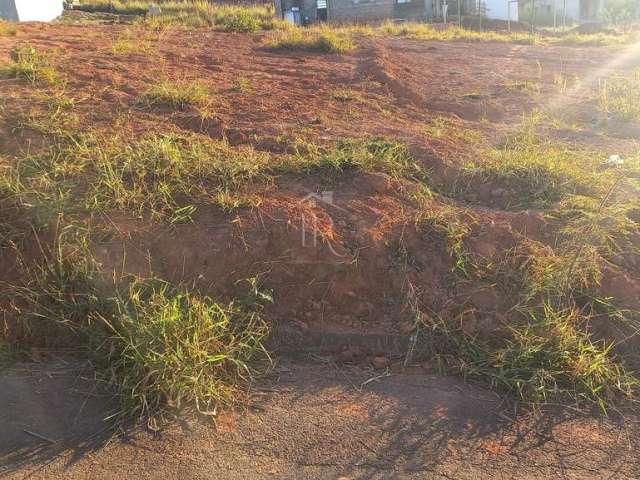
379,182
380,362
351,354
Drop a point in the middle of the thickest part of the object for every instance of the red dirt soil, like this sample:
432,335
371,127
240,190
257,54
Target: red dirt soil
347,283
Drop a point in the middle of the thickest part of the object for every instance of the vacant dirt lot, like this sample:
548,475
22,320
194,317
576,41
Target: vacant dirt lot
343,297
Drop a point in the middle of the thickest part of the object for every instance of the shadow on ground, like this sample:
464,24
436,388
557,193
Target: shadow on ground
310,420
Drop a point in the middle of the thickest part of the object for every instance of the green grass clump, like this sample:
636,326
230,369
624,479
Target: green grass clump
448,222
605,226
179,94
156,347
228,18
160,175
620,96
240,21
7,29
537,173
164,175
368,155
320,39
125,45
550,357
28,63
126,7
170,348
346,95
423,31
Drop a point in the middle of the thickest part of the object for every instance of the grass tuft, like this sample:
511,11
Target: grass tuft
448,222
165,174
7,29
620,96
550,357
156,347
535,173
346,95
171,348
28,63
179,94
368,155
319,39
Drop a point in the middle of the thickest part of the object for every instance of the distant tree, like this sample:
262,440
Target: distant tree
622,12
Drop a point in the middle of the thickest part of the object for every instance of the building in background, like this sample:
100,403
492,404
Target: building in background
30,10
569,11
304,12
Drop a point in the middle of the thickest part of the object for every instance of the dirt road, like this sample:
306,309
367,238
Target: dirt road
310,420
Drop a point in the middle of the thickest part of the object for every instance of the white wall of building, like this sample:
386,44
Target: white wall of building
31,10
499,9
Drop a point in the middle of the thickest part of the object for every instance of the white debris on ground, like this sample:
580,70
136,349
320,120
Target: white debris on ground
614,161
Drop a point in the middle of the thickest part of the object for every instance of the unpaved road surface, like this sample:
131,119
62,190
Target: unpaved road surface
310,420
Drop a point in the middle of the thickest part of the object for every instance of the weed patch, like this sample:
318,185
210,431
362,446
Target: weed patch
156,347
28,63
449,223
243,85
536,173
321,39
346,95
164,174
179,94
125,45
228,18
620,96
423,31
170,348
549,357
369,155
7,29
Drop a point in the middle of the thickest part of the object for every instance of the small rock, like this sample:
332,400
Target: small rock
379,182
351,355
380,362
405,327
